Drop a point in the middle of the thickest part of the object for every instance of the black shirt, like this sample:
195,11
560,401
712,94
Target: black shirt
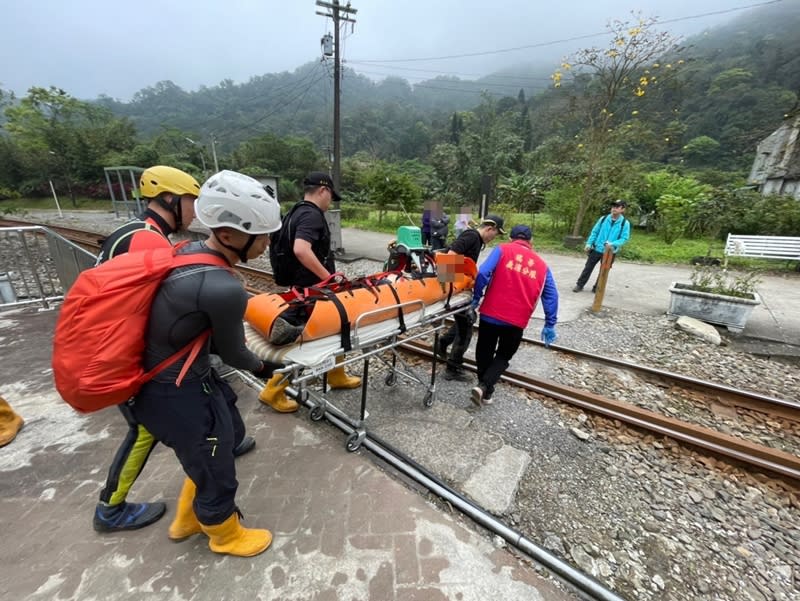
469,244
309,224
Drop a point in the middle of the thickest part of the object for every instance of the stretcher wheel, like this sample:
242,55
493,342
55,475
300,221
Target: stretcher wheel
317,413
353,443
390,379
428,399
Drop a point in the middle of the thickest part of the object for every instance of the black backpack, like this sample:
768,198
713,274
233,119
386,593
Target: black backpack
281,251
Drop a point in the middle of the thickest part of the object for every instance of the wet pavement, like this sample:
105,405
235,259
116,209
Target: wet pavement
344,527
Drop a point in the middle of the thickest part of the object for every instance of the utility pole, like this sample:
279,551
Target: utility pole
337,13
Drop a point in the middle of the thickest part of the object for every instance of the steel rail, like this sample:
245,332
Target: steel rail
747,399
74,235
775,461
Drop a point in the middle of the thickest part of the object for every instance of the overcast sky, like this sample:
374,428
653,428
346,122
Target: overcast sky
113,47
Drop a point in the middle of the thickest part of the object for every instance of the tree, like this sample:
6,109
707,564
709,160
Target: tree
700,150
521,191
290,157
62,136
605,80
386,186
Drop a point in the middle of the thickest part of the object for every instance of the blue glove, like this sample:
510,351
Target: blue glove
548,335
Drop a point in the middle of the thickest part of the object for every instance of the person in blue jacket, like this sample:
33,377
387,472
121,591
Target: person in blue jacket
610,231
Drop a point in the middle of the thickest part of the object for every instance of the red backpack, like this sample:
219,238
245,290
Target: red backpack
99,341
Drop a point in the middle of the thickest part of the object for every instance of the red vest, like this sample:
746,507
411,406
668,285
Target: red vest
516,284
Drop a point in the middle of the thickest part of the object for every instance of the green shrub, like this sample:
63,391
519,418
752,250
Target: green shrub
673,216
8,194
561,204
747,212
714,279
355,212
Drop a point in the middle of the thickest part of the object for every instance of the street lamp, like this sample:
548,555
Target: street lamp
53,190
214,153
202,154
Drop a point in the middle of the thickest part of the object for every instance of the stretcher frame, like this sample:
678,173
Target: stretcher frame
367,342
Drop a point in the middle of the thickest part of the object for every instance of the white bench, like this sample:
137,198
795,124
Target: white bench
763,247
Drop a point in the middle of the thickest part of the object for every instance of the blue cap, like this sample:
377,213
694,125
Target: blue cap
520,232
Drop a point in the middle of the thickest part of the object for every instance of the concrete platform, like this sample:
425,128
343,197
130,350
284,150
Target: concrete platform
344,528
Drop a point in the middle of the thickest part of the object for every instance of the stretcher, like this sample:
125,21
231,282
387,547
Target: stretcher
346,322
308,361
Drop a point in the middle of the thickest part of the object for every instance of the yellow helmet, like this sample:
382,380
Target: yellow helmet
161,178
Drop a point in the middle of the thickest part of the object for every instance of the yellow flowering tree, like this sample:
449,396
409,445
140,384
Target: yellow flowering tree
602,80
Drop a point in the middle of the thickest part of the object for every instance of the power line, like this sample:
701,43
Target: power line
440,72
291,86
251,126
561,41
465,82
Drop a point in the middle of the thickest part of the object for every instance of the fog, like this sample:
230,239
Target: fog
89,48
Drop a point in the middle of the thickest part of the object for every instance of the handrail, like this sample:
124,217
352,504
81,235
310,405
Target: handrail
39,266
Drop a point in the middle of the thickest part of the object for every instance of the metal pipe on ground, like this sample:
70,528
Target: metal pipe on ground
582,582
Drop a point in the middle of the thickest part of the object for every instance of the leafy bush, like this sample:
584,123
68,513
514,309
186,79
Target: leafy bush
746,212
7,193
664,182
714,279
352,212
561,204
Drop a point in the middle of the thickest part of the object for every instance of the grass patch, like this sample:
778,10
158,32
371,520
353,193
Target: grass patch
643,246
19,206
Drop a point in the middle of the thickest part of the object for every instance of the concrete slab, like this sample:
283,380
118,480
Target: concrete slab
494,484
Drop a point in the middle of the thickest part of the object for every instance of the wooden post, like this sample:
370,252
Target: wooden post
605,267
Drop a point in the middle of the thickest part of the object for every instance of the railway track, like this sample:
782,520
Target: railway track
89,240
782,464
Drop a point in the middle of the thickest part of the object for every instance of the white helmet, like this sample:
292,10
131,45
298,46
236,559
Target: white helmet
231,199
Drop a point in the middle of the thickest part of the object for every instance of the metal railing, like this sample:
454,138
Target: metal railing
37,266
117,179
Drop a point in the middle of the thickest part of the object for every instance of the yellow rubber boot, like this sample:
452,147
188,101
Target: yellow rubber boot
229,537
274,395
338,379
10,423
185,523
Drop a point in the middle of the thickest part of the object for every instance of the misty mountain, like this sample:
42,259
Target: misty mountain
739,80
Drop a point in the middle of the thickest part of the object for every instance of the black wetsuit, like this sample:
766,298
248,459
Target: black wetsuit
150,231
197,419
